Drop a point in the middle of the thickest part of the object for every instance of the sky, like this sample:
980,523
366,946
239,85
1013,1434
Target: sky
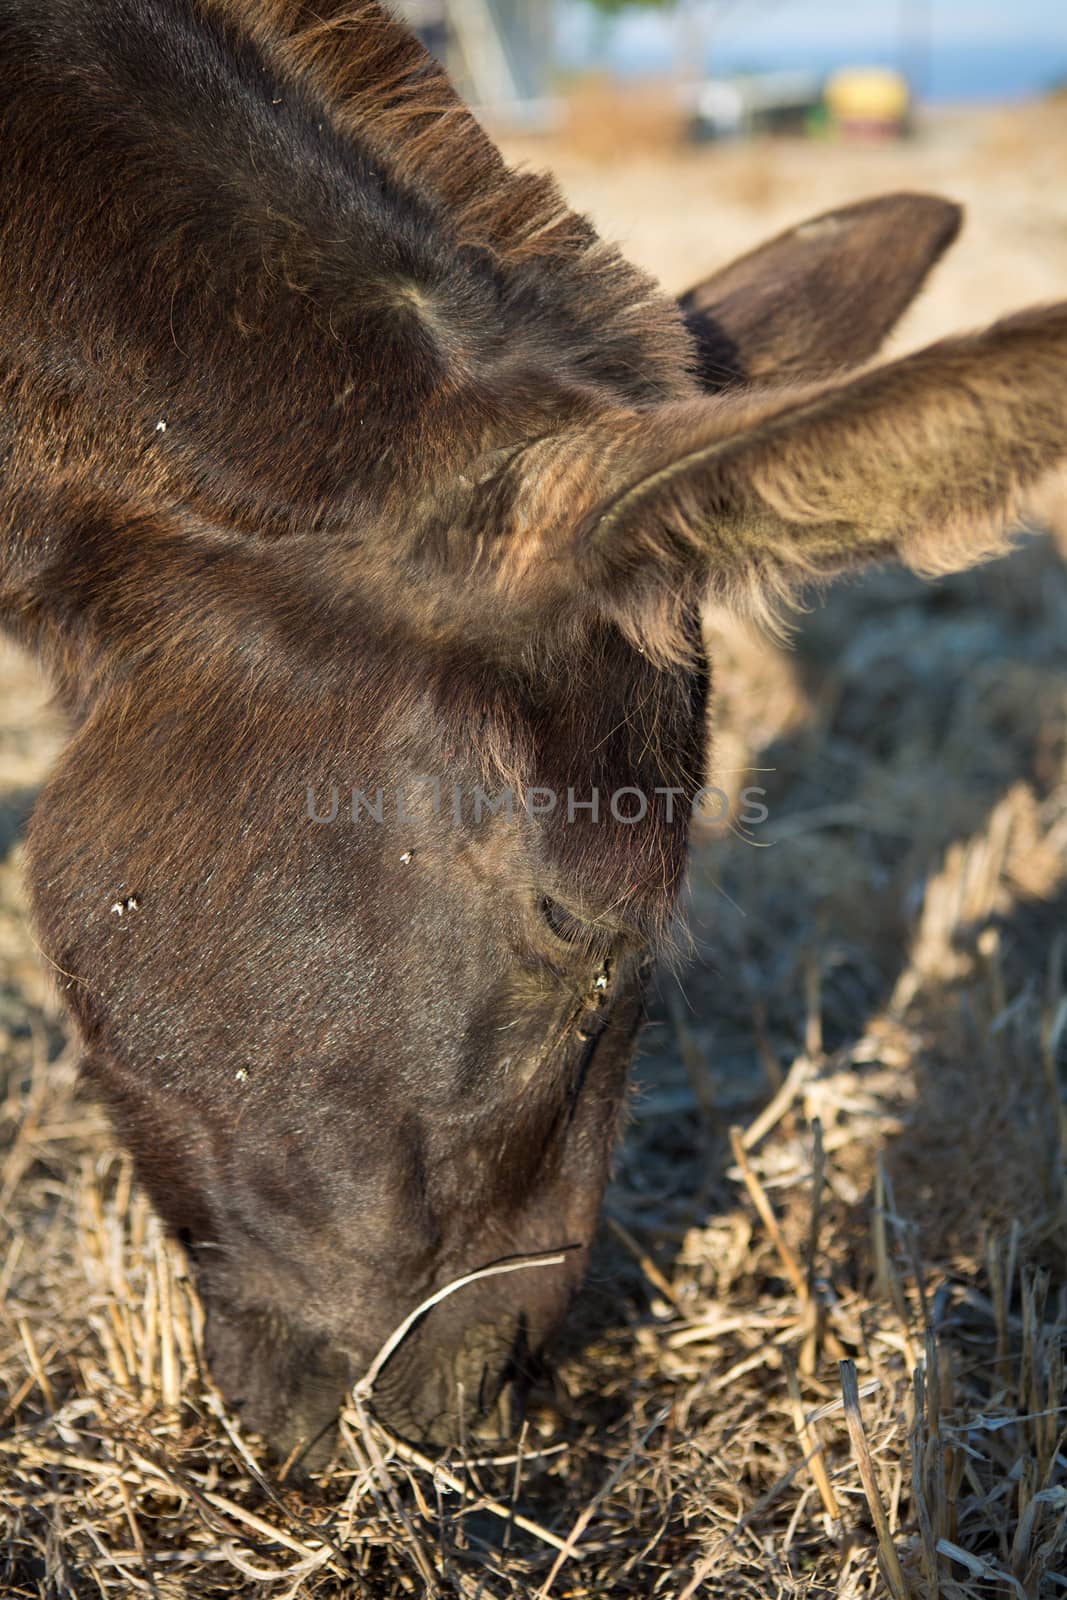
979,49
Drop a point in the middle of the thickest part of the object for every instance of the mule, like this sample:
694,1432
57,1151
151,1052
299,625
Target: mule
363,505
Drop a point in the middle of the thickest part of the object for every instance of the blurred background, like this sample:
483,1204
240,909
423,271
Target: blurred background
690,129
740,67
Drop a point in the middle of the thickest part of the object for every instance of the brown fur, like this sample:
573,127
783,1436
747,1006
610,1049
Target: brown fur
849,274
335,454
926,461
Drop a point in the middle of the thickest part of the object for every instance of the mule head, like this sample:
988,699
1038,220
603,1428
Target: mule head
366,507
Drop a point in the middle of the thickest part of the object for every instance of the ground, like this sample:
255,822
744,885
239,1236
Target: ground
871,989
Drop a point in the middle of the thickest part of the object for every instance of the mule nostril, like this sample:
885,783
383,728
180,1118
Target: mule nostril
499,1422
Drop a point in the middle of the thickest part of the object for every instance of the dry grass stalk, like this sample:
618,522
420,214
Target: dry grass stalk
780,1104
588,1511
364,1388
40,1376
412,1542
861,1454
441,1474
758,1195
645,1262
919,1486
812,1445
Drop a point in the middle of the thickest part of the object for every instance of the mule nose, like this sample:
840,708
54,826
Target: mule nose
474,1392
463,1424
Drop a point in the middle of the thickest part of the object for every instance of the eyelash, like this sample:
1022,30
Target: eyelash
572,930
563,925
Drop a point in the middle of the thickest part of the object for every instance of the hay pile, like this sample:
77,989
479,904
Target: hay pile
820,1355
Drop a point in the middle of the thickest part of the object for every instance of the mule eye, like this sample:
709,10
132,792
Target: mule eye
563,924
566,926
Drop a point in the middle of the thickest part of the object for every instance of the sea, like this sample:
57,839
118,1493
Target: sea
960,73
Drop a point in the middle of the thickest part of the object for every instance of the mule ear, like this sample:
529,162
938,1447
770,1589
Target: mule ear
822,296
923,461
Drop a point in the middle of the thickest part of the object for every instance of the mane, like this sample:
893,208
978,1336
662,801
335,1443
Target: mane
385,91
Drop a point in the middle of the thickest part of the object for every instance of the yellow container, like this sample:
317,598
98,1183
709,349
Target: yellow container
868,97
